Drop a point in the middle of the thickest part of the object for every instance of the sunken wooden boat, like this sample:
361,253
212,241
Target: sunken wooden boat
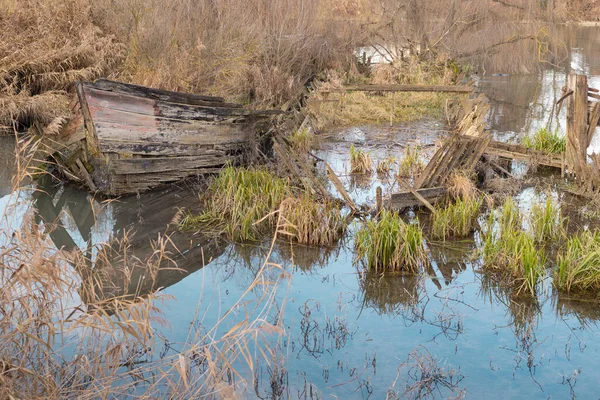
126,138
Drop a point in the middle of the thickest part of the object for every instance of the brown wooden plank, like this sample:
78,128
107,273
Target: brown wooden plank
166,95
170,149
594,119
147,165
406,198
403,88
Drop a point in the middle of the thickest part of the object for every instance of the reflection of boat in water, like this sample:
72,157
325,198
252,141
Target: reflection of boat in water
135,256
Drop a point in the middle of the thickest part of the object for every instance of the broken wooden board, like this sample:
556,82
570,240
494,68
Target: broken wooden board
403,88
521,153
459,152
405,199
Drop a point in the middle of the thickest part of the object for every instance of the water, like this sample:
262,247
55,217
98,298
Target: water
350,334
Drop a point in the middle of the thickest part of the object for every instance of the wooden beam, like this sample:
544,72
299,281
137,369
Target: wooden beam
403,88
407,198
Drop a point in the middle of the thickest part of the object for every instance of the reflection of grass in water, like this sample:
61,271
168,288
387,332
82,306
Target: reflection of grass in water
308,257
546,140
390,244
389,294
384,166
586,310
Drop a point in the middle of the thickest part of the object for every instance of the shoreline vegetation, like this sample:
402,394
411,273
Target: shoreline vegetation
262,55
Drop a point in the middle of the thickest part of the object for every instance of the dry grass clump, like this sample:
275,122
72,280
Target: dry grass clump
43,55
456,220
388,244
312,223
360,161
241,203
411,164
384,166
510,251
578,267
461,186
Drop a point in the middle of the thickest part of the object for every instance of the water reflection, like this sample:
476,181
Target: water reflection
125,248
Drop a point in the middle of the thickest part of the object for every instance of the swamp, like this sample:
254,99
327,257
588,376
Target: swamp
348,253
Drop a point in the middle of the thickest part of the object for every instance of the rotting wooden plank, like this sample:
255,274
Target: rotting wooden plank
403,88
134,166
418,196
86,176
170,149
593,123
139,105
406,199
522,153
577,118
340,188
166,95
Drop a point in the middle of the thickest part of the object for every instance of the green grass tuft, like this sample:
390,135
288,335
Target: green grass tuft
239,198
510,251
456,220
578,268
546,221
390,244
545,140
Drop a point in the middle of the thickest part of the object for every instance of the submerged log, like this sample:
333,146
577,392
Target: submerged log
134,138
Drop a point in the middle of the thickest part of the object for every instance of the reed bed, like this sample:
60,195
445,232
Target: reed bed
510,251
546,140
456,220
241,203
360,161
578,267
388,244
311,223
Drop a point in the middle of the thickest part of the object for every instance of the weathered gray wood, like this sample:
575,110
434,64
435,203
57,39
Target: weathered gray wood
577,119
134,166
403,88
165,95
171,149
522,153
406,199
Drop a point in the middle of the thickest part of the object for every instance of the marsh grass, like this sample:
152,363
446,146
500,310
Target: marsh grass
241,203
546,221
385,166
303,140
311,223
578,267
456,219
388,244
360,161
411,164
546,140
511,252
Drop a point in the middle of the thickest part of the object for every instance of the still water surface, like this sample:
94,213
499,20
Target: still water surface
349,334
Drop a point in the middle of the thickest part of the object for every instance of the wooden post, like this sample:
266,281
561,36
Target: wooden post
393,109
577,119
